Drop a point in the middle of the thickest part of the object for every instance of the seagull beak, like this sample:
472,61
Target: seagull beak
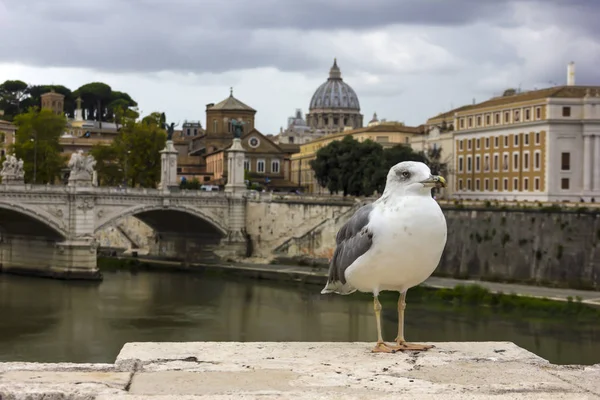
434,180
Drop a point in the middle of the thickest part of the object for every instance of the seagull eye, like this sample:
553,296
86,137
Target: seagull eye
405,174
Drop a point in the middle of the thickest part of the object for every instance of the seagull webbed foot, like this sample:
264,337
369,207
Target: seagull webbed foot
382,347
402,345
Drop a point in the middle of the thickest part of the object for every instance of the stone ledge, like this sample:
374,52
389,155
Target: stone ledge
230,370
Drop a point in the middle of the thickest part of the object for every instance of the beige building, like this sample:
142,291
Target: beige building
387,134
538,145
7,135
439,136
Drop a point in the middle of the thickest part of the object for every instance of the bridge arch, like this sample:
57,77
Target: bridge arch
145,213
23,220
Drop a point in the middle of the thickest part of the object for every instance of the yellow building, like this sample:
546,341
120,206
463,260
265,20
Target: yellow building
387,134
538,145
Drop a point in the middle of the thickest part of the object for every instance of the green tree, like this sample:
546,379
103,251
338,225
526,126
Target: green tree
36,142
133,157
12,93
358,168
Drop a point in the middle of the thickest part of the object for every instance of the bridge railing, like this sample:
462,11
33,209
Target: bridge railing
104,190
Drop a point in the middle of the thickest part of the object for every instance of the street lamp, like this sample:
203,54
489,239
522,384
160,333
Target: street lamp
126,167
34,140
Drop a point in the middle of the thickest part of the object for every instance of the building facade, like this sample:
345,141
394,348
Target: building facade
334,106
542,145
7,136
388,134
297,131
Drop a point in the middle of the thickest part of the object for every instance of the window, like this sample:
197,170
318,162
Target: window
468,184
515,162
469,164
517,115
260,166
487,142
246,165
505,183
460,164
477,162
497,118
565,161
479,120
486,162
460,144
505,162
564,183
275,166
469,144
496,162
506,117
188,131
215,125
462,123
526,161
516,184
525,184
478,144
460,185
538,113
527,114
566,112
537,138
516,140
505,141
526,139
536,183
477,187
496,184
486,184
470,124
537,160
496,142
488,119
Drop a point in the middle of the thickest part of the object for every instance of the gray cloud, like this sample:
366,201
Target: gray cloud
291,35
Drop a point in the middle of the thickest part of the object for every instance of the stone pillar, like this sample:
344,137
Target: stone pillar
168,167
596,163
235,168
587,163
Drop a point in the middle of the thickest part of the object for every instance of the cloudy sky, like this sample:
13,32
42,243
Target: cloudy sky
406,59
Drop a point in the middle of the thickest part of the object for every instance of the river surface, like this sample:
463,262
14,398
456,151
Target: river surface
59,321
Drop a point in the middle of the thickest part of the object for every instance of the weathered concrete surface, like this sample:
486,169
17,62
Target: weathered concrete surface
230,370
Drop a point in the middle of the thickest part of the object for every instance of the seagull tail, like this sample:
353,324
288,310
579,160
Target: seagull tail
338,288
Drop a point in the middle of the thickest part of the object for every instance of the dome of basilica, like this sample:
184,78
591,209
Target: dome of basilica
335,93
334,106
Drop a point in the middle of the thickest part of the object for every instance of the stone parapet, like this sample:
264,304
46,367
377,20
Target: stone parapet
230,370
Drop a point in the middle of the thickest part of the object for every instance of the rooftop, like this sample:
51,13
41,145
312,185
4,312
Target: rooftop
283,370
231,104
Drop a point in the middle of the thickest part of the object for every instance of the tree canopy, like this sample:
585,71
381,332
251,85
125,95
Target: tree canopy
358,168
36,142
99,101
134,155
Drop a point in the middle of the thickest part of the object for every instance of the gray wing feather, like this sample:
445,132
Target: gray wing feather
352,241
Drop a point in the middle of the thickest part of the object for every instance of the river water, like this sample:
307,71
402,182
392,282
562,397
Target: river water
57,321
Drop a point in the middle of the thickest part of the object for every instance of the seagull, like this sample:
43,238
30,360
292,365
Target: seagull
392,244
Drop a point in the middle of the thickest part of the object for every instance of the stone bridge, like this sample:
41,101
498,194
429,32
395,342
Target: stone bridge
50,229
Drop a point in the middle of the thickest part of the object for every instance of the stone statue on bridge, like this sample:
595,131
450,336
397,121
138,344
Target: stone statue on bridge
12,170
238,128
82,169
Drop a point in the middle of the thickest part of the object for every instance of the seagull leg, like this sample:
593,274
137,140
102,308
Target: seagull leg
403,345
381,346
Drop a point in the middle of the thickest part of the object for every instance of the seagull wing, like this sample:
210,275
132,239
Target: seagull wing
352,241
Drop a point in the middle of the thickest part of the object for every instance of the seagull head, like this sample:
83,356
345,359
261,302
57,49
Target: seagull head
412,177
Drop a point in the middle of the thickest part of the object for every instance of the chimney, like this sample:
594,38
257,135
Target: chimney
571,74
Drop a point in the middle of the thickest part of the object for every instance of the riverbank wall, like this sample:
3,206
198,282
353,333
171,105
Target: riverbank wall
549,246
267,370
